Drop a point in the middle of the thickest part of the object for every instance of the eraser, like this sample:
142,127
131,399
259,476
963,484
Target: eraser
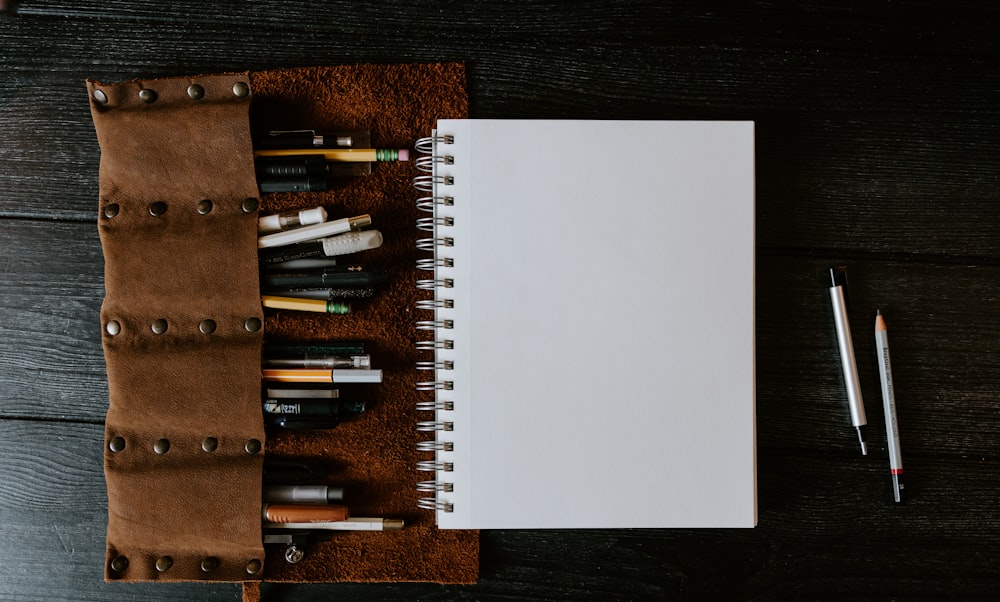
404,154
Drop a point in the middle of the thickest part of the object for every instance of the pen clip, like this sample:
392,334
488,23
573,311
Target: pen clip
283,132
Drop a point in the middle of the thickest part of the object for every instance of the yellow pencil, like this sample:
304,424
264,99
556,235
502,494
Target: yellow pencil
354,155
312,375
322,306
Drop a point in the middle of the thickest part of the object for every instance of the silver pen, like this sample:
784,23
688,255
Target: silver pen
838,279
889,406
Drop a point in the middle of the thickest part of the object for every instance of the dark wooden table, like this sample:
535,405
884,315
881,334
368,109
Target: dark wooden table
878,146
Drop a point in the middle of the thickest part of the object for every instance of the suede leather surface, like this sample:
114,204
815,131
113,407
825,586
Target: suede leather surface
373,456
184,267
174,507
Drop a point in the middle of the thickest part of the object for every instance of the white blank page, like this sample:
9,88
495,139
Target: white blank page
603,324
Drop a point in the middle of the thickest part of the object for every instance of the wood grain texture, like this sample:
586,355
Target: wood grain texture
878,128
818,518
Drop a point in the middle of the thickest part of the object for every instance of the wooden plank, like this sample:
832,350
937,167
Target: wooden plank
50,343
942,324
642,23
839,166
819,516
941,321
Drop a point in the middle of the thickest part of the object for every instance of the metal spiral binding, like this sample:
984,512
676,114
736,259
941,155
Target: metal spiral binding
432,446
432,304
430,263
434,486
431,183
434,406
431,466
429,244
428,203
444,365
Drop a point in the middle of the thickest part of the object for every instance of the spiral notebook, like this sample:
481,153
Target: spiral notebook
591,301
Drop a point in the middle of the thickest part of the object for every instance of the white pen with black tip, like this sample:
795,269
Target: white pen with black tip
889,406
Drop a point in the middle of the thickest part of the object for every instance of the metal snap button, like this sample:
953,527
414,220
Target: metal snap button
249,205
164,563
241,89
196,92
100,97
209,564
113,327
159,326
111,210
161,446
252,324
119,564
207,326
117,444
157,209
254,566
204,206
147,96
210,444
252,446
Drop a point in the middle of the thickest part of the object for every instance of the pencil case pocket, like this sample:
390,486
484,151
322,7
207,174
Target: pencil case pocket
182,328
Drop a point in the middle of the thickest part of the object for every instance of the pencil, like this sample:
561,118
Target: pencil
312,375
327,306
354,155
351,524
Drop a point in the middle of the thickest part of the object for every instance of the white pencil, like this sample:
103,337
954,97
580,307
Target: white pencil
351,524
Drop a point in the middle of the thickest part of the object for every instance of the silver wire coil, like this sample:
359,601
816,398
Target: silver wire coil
426,144
435,406
436,344
428,426
432,466
435,446
432,304
426,486
430,503
441,365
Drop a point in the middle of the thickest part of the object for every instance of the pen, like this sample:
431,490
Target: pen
310,375
339,154
327,306
293,184
838,278
323,230
303,393
293,265
313,407
327,361
308,166
303,494
279,471
351,524
308,350
330,293
303,513
889,406
330,246
290,219
288,167
339,276
310,138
